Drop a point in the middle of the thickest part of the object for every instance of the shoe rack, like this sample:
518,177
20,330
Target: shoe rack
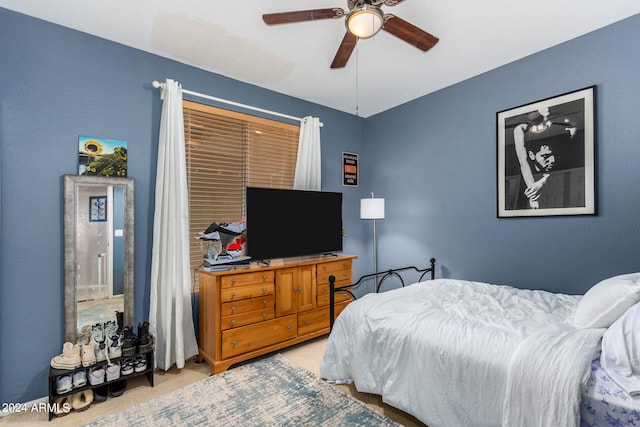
55,373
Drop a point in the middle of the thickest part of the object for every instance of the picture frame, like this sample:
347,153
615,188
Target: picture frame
102,157
546,157
97,208
349,169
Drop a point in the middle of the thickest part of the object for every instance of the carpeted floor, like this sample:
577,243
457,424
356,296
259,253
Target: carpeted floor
306,355
269,392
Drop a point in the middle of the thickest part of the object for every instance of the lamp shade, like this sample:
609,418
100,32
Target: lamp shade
365,21
372,208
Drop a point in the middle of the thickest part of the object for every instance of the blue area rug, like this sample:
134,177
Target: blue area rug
269,392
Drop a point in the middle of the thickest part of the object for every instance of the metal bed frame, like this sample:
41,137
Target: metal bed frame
383,276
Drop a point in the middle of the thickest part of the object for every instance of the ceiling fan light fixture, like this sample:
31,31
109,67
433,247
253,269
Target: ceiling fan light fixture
365,21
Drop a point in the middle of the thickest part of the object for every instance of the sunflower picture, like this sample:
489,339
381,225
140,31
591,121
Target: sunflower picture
102,156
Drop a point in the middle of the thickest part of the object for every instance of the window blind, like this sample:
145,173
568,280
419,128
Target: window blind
226,152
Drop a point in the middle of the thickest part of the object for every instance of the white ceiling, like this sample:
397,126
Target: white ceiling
230,38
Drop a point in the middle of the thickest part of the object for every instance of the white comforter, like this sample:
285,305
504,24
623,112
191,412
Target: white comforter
459,353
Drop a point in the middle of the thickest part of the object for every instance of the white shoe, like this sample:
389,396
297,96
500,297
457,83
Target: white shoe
64,383
115,348
113,371
96,375
127,366
79,378
101,351
141,363
88,354
69,359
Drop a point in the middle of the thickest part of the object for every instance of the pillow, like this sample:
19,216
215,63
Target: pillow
620,356
605,302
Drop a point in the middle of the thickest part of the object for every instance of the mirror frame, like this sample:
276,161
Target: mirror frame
71,184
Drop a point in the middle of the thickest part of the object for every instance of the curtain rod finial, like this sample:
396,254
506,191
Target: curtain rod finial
155,84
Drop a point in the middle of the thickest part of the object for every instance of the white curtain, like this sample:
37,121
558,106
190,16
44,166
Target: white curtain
308,173
170,315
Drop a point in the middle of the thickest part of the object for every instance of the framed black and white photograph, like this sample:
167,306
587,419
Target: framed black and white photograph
546,157
97,208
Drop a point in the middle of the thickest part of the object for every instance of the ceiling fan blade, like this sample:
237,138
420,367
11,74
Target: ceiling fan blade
344,51
409,33
392,2
302,15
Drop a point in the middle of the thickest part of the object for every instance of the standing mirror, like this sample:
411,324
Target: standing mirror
98,251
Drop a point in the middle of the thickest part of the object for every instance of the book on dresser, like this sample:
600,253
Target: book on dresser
251,311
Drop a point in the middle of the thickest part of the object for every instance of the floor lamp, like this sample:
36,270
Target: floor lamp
373,209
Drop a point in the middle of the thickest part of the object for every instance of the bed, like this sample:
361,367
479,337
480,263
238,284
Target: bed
462,353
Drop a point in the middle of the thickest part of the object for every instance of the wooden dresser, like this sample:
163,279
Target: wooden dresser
250,311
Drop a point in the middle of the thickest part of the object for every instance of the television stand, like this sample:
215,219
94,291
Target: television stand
252,311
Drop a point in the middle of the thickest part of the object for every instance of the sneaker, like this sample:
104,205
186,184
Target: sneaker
129,341
127,366
96,375
64,383
84,335
113,371
145,340
141,363
69,359
82,400
101,351
97,333
110,328
115,348
88,354
79,378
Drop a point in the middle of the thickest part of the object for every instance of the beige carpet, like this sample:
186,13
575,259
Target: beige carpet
307,355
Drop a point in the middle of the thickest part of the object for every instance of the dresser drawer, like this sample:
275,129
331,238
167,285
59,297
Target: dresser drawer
340,269
248,318
259,277
340,297
246,305
312,321
242,292
253,337
325,290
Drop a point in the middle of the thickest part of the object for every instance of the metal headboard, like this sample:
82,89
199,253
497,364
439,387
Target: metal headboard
383,276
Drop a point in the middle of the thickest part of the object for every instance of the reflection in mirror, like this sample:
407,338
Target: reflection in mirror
98,252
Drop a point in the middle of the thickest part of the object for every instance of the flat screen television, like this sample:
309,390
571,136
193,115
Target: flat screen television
289,223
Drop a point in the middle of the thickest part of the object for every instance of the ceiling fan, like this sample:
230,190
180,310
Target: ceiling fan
363,20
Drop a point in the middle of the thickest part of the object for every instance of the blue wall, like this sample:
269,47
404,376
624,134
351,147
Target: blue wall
433,160
57,84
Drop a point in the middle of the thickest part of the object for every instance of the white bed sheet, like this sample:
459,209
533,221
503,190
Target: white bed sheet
453,352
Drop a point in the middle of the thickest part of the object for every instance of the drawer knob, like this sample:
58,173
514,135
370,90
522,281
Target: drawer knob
264,303
264,290
264,277
233,295
233,322
233,308
233,281
289,327
234,342
307,323
264,315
